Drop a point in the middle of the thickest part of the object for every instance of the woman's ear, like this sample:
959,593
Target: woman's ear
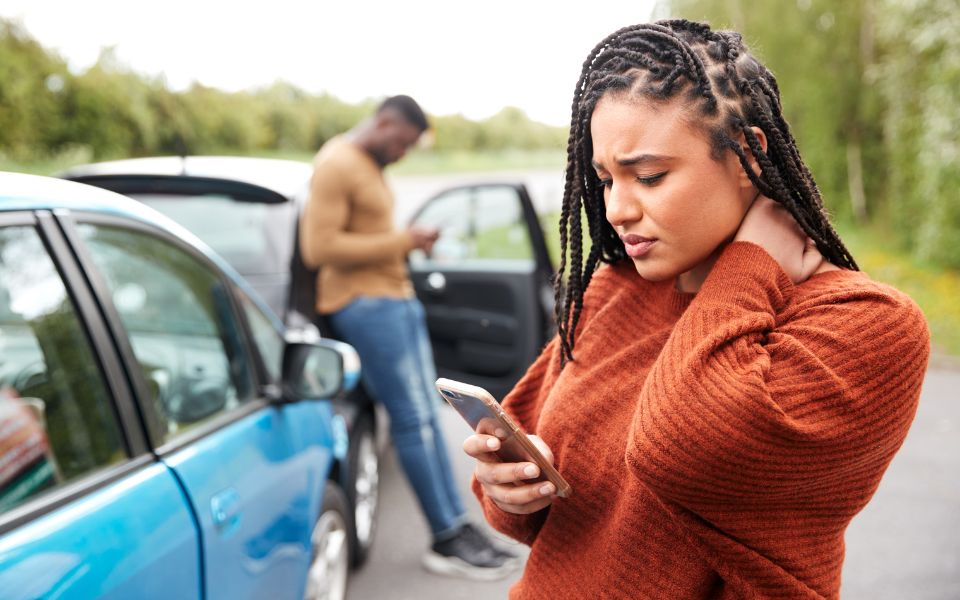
762,138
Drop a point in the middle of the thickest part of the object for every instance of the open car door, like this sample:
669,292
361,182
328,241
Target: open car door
487,285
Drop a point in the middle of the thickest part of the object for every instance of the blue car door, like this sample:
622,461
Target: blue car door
253,471
85,510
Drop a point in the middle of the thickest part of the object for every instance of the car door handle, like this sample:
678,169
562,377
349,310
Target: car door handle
436,282
225,509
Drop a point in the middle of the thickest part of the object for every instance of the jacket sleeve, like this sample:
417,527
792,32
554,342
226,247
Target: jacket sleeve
743,411
523,404
324,238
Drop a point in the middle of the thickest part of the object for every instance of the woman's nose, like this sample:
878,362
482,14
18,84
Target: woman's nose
622,207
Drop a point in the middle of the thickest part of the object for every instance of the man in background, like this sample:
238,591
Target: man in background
347,231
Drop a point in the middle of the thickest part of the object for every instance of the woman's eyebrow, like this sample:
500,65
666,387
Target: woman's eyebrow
637,159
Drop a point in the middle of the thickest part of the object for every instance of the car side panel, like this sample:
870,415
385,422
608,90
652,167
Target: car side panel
256,486
136,538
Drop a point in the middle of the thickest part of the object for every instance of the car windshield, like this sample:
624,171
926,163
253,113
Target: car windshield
256,238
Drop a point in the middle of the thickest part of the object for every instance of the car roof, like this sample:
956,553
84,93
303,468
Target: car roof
288,178
22,192
19,191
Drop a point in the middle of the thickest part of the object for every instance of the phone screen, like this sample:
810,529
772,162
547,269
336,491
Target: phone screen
486,420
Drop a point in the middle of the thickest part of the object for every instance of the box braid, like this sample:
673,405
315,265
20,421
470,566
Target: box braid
714,72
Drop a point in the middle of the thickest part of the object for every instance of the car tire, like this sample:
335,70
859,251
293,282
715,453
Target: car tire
330,548
363,489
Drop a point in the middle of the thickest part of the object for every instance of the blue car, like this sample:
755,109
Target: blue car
161,434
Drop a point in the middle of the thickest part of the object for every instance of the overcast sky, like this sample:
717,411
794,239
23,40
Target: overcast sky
453,57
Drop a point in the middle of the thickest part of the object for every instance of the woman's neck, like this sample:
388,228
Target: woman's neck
690,281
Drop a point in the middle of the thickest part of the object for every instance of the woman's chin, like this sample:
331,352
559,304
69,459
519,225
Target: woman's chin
651,272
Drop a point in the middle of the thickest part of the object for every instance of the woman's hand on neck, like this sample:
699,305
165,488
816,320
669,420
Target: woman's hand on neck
768,225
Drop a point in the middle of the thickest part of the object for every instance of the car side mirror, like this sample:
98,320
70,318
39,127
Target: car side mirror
318,369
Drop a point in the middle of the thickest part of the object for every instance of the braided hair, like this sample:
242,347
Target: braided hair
714,72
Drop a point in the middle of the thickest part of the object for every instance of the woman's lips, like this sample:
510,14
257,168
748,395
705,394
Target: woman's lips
637,245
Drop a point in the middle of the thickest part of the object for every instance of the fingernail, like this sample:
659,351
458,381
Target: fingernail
492,444
529,470
546,490
500,433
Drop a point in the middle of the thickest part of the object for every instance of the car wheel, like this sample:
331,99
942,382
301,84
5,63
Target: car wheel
363,492
330,558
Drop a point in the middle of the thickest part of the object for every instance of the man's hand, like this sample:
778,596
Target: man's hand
423,237
769,225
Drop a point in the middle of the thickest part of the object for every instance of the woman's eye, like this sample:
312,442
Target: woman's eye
606,183
652,179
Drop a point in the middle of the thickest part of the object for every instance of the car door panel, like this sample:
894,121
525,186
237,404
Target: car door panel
486,284
253,472
256,487
483,325
134,538
73,522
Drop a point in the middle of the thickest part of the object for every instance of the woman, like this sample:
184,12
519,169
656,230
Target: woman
726,391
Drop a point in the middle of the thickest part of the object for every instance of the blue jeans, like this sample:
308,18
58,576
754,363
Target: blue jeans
390,335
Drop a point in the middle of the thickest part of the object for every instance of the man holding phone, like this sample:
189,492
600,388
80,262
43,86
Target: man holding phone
364,289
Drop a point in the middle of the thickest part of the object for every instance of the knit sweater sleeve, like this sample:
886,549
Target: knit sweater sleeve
523,404
745,411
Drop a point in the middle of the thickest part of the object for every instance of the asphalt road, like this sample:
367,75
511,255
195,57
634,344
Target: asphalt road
905,544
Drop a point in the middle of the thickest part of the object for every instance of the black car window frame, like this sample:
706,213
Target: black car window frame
69,222
107,361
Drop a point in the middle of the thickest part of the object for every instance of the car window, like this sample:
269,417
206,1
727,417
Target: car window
268,340
57,421
254,237
182,327
476,223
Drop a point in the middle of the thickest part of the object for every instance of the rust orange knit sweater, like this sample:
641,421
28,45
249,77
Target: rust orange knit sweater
718,444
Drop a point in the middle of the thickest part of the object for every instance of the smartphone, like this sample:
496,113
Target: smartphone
484,415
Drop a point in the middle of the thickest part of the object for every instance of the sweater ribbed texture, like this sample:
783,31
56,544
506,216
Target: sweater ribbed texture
718,445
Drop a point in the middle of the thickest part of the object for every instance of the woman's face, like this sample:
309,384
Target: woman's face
672,204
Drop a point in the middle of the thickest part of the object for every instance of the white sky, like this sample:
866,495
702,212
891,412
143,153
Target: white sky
453,57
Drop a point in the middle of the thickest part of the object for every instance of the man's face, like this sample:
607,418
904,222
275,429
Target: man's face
395,135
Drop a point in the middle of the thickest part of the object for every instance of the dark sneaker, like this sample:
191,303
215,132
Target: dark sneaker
482,540
462,556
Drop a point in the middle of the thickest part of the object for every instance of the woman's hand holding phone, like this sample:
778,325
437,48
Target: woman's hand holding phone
508,484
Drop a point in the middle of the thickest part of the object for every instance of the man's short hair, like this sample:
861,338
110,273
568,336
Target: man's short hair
408,108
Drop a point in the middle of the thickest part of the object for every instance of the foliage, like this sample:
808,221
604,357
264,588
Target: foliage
920,83
108,111
30,108
871,89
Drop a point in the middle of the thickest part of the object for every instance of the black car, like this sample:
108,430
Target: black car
487,287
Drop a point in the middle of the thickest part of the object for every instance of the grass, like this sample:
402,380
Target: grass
935,289
47,165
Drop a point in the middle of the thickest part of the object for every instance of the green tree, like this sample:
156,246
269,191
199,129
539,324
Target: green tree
111,111
872,91
109,108
821,53
920,83
32,80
